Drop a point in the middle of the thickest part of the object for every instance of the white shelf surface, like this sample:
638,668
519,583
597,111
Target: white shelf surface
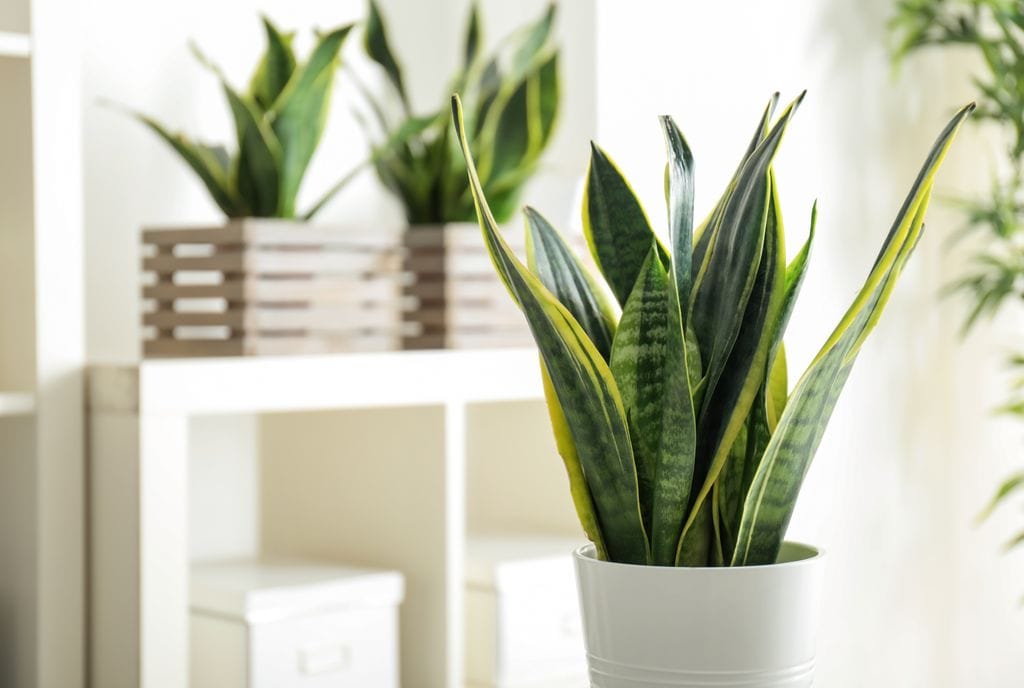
140,418
15,44
17,403
200,386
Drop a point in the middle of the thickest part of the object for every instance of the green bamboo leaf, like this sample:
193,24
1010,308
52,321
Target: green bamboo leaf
615,225
375,41
1009,486
300,114
208,162
561,272
581,498
680,207
770,502
258,167
1014,542
275,68
583,385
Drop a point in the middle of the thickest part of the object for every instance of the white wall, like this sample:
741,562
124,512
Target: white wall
916,596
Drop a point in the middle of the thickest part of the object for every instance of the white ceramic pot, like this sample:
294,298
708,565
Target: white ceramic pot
662,627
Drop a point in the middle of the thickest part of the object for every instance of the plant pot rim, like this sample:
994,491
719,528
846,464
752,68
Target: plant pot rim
804,555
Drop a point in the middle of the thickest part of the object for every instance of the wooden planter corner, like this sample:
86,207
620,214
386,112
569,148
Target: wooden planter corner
455,299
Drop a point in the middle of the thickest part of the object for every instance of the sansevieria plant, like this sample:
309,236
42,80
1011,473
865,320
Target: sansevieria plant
512,96
682,441
279,120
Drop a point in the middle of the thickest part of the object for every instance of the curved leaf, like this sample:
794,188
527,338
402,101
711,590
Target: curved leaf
208,162
583,385
772,497
581,498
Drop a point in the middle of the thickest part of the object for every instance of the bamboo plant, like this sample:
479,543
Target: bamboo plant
279,121
511,97
673,417
994,31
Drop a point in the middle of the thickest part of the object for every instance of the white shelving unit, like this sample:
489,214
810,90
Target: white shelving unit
140,436
17,404
42,583
15,44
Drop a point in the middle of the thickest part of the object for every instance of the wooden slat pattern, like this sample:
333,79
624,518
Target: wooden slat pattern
256,287
259,287
455,298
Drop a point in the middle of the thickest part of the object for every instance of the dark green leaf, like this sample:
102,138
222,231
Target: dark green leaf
206,161
375,41
259,158
722,287
275,68
565,277
772,497
300,114
615,225
471,47
583,385
680,207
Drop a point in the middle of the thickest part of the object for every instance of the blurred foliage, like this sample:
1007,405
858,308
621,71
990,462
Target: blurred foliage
279,121
511,98
994,31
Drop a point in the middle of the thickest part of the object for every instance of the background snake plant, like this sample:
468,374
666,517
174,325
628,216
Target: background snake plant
512,97
673,419
279,121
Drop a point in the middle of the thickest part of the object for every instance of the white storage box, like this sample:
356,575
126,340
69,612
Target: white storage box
293,625
523,626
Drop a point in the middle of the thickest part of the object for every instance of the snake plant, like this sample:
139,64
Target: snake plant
673,417
511,98
278,120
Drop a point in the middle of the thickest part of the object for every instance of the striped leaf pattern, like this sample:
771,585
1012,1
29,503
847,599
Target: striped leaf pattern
682,443
582,383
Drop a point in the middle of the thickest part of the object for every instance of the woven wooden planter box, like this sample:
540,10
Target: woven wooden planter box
270,287
455,299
